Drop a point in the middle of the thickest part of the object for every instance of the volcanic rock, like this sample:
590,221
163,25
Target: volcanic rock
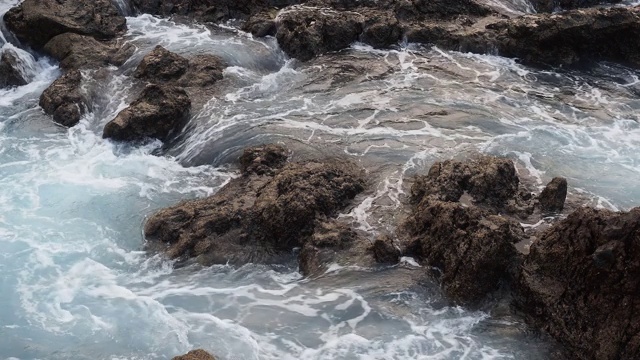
159,112
76,51
555,5
257,217
581,283
64,100
35,22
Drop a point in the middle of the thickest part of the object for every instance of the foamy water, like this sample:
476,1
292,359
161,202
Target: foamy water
76,282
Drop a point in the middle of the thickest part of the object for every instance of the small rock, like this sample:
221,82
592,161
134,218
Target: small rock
163,66
263,160
198,354
10,74
63,99
79,51
552,198
385,252
159,112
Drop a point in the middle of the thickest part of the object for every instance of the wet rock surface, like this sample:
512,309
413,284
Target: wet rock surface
76,51
556,5
163,66
64,99
10,74
257,218
552,198
581,281
159,112
198,354
35,22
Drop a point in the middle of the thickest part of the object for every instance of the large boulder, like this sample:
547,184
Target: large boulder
581,283
198,354
76,51
10,69
64,99
304,33
164,66
35,22
259,217
159,112
472,249
556,5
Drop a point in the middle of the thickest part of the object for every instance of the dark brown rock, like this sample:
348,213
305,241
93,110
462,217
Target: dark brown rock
64,100
159,112
471,248
35,22
263,160
381,29
76,51
10,74
256,218
555,5
198,354
489,180
581,283
261,24
304,32
552,198
385,251
163,66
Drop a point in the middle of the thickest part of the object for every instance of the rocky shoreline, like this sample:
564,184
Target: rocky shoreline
580,280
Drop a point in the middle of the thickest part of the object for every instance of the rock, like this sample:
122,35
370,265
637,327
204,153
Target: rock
471,248
256,218
553,196
159,112
261,24
161,65
307,32
209,10
580,283
555,5
439,9
35,22
263,160
385,251
10,73
164,66
198,354
64,100
76,51
381,30
571,37
489,180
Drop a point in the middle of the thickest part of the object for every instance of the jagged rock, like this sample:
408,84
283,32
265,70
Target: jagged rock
210,10
76,51
257,218
263,160
471,248
552,198
571,37
581,283
198,354
159,112
385,251
489,180
10,74
261,24
554,5
64,100
381,29
307,32
439,9
164,66
35,22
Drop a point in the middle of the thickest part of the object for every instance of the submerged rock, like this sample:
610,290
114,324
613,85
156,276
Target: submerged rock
159,112
76,51
198,354
581,283
552,198
63,99
35,22
259,217
10,74
164,66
